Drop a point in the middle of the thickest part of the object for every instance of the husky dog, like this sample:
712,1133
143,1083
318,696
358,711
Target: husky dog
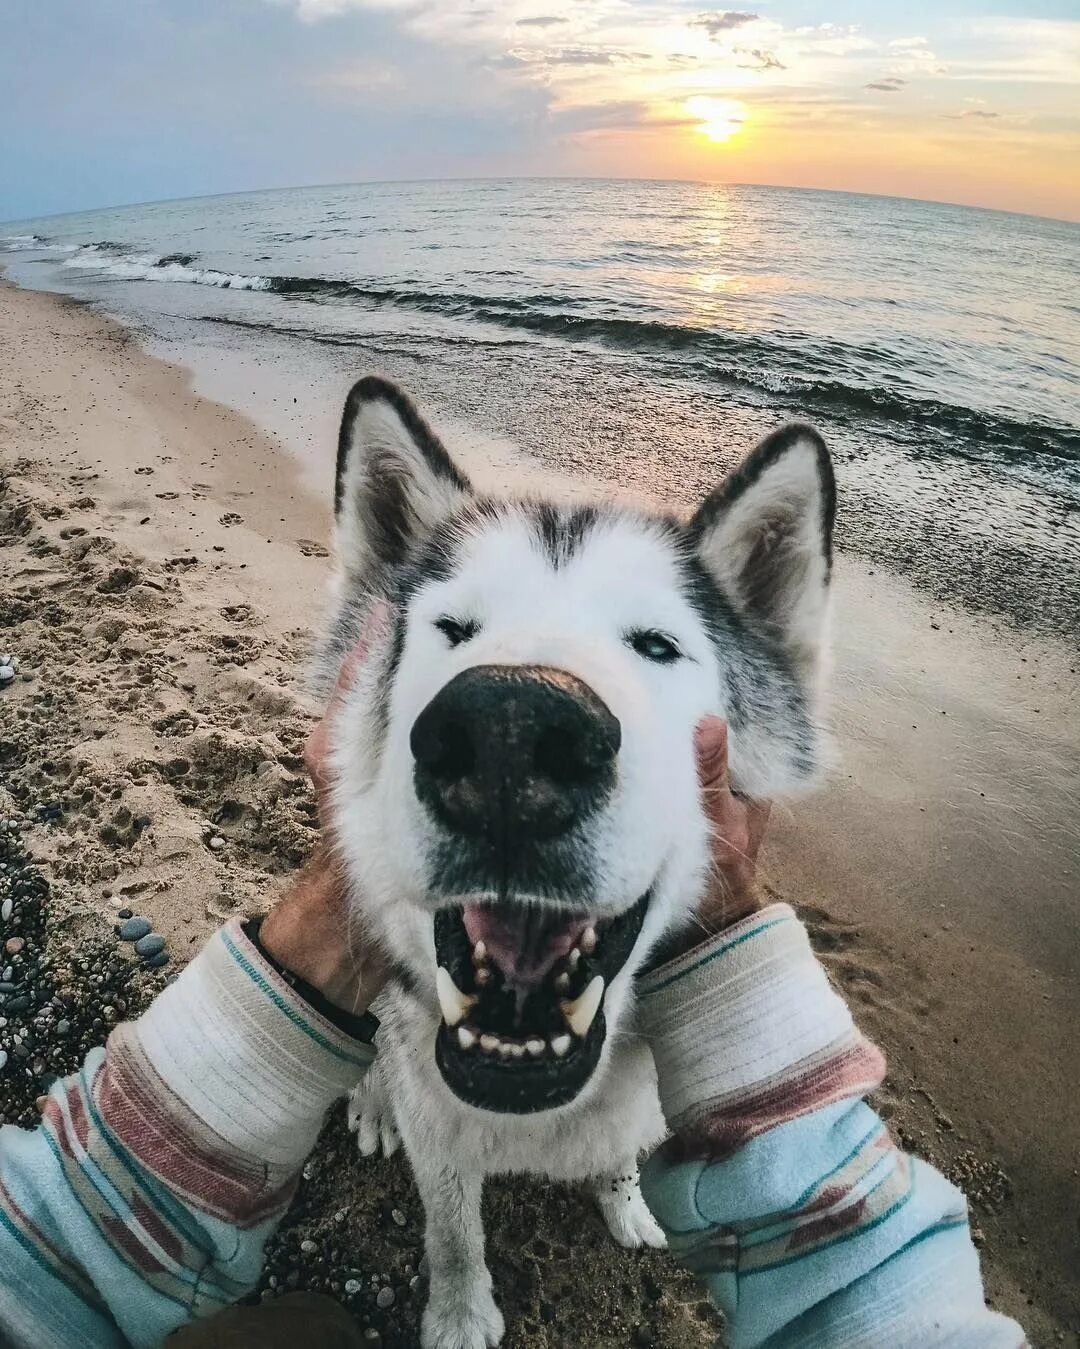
517,805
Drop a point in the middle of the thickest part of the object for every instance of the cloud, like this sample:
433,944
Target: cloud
763,60
541,21
892,84
983,114
567,56
724,20
617,115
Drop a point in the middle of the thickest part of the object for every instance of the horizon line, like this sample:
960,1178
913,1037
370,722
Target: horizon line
540,177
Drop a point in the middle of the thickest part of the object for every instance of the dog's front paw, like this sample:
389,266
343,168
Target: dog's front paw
370,1120
462,1320
627,1214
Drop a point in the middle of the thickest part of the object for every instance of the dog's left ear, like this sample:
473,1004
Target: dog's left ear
395,481
765,536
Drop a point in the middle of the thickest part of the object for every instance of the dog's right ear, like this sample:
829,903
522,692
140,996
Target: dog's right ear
394,482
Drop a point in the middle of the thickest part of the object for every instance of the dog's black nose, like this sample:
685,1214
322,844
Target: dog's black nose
507,751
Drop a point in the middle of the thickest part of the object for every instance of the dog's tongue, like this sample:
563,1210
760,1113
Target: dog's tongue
526,942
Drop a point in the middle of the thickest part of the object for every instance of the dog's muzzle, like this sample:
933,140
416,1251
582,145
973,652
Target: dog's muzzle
510,762
514,754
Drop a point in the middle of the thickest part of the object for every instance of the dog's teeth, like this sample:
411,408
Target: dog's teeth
479,953
560,1045
581,1013
466,1039
505,1049
575,958
562,983
489,1043
588,941
535,1047
453,1002
483,975
517,1049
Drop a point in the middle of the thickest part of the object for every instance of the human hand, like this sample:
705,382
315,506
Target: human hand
737,828
312,930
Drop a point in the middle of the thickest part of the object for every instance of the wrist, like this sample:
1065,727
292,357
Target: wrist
716,915
306,933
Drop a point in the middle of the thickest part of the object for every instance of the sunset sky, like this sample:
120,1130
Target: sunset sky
117,101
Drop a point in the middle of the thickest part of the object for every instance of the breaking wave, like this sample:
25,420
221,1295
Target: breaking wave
114,260
794,365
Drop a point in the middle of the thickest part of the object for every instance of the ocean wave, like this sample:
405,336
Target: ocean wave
770,364
25,243
113,260
795,367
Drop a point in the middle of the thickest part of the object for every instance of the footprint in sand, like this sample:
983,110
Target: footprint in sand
310,548
231,518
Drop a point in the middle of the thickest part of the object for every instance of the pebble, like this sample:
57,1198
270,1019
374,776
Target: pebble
156,962
7,674
150,945
134,929
353,1286
217,842
384,1299
63,1027
308,1246
6,908
14,945
124,913
398,1217
3,1059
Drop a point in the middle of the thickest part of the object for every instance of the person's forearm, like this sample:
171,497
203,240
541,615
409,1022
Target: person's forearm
780,1187
145,1197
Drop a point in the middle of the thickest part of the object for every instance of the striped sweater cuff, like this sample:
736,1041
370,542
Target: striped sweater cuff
232,1044
747,1033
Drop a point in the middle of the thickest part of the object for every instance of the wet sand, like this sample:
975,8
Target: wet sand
162,564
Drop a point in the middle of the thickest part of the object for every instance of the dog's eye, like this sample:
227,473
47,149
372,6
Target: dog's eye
457,630
654,646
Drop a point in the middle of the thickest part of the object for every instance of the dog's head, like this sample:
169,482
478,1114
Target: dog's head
517,795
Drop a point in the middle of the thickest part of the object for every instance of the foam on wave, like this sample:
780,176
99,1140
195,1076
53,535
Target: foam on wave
108,258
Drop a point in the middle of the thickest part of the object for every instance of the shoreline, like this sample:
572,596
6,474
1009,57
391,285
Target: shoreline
168,613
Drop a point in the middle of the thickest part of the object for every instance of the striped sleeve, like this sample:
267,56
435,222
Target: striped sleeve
780,1187
144,1198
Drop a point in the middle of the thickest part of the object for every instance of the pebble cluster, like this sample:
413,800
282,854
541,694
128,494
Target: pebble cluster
57,999
361,1247
149,945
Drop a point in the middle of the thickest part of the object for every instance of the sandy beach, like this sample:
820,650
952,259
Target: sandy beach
162,562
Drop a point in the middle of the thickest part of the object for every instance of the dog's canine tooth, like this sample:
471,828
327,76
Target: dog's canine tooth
535,1047
588,940
562,983
479,953
560,1045
466,1039
574,958
453,1002
489,1043
581,1013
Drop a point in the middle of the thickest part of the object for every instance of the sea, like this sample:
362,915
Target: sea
644,335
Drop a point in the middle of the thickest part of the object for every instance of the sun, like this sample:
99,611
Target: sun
720,118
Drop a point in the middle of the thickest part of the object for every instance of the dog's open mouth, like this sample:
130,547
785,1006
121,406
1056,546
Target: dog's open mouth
522,988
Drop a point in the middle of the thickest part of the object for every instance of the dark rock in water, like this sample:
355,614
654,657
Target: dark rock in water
156,962
134,929
150,945
177,259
